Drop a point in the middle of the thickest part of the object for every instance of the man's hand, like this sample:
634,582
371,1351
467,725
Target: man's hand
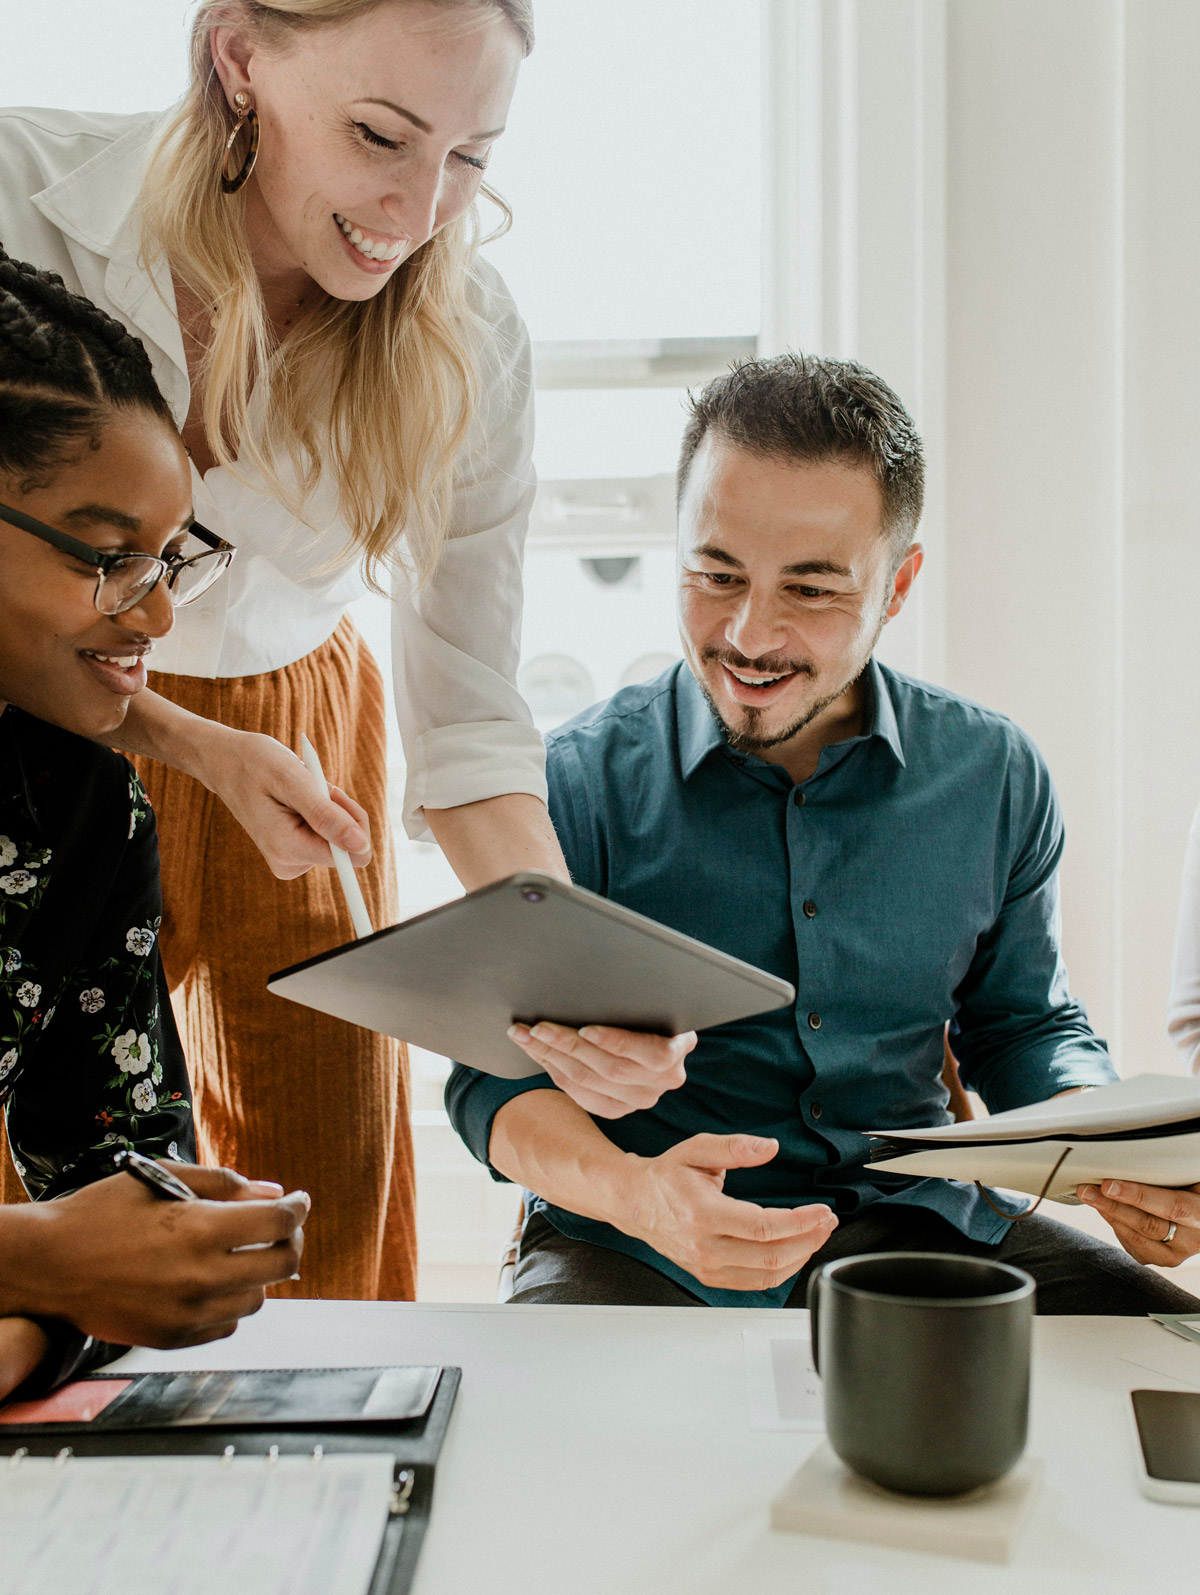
281,805
1143,1216
608,1072
122,1264
676,1204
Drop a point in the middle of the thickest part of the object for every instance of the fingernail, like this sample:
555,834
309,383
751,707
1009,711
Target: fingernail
518,1032
762,1143
544,1032
590,1032
1113,1188
1088,1193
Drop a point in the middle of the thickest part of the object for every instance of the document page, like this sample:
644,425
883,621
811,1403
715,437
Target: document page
782,1387
1138,1103
192,1525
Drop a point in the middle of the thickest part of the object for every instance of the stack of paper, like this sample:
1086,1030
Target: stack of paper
1145,1129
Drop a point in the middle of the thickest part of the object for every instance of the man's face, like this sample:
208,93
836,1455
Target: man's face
785,582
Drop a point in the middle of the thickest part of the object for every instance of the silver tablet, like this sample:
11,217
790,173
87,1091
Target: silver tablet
527,948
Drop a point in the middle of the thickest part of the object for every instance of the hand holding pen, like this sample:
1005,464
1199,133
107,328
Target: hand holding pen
170,1271
351,890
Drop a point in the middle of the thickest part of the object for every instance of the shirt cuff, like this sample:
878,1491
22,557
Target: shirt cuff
473,1100
1023,1081
461,764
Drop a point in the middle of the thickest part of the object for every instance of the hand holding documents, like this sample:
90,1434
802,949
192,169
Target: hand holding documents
1145,1129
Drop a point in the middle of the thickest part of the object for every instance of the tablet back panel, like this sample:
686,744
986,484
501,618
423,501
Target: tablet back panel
527,948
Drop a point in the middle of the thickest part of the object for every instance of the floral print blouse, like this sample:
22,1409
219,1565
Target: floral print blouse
90,1060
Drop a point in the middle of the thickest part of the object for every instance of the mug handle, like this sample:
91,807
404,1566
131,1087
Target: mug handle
813,1302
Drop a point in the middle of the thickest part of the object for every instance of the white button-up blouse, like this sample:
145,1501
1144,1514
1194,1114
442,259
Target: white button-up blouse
69,185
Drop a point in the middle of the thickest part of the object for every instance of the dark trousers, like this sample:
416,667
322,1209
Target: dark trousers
1075,1273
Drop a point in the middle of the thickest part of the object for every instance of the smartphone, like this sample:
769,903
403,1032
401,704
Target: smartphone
1168,1444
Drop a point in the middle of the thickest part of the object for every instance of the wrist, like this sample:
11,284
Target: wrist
627,1194
207,750
24,1346
27,1262
160,729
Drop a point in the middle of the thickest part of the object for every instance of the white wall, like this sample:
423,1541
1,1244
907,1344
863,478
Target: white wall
1006,215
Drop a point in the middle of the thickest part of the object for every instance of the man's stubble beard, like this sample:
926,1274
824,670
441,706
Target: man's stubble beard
750,739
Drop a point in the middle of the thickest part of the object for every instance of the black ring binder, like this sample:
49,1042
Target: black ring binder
414,1443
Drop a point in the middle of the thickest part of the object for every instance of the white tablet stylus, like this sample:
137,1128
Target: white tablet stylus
347,874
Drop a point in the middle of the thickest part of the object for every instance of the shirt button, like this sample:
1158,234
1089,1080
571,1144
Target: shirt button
815,1110
814,1021
801,799
810,909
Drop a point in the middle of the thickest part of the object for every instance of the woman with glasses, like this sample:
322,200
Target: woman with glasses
97,546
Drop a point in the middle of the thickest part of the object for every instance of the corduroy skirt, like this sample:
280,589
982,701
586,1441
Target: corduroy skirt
283,1093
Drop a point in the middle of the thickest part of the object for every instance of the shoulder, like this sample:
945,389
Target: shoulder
499,448
42,154
489,297
933,711
632,721
986,749
49,144
505,364
78,777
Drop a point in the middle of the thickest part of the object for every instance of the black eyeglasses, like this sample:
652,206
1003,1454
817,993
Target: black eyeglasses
123,580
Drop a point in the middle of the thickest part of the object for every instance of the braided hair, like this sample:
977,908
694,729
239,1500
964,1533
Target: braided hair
64,366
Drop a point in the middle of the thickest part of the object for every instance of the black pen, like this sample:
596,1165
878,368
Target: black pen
153,1175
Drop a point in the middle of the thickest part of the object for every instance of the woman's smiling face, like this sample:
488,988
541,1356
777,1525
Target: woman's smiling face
375,133
60,658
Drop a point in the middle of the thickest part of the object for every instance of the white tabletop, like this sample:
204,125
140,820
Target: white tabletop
609,1450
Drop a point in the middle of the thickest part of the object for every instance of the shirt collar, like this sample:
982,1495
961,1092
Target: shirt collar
98,205
698,731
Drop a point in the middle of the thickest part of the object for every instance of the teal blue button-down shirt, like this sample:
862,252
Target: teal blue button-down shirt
910,881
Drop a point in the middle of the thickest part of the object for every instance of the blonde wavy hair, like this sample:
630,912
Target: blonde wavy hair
381,391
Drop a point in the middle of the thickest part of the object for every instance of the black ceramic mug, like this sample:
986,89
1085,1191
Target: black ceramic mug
924,1362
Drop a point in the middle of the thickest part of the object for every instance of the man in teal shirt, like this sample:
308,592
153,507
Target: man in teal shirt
888,847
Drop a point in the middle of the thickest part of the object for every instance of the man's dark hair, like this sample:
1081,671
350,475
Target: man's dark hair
802,407
64,366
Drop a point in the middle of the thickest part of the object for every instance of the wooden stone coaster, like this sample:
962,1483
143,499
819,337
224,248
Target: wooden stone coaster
823,1497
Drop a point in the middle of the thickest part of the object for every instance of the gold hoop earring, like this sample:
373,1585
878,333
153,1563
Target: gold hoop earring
248,119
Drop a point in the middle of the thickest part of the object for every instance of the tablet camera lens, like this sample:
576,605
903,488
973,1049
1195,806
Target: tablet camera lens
531,895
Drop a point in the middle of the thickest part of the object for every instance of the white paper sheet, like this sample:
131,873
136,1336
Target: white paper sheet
1134,1104
782,1387
192,1525
1153,1160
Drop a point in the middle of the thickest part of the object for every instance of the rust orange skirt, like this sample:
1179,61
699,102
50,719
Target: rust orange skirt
283,1093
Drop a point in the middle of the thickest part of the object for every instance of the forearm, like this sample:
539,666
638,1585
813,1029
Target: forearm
159,729
496,837
547,1143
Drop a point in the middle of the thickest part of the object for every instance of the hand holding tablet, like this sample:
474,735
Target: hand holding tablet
609,1072
533,950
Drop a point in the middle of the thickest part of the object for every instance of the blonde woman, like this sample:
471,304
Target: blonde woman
295,245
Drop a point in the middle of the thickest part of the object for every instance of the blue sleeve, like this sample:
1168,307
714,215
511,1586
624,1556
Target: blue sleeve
473,1098
1018,1034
